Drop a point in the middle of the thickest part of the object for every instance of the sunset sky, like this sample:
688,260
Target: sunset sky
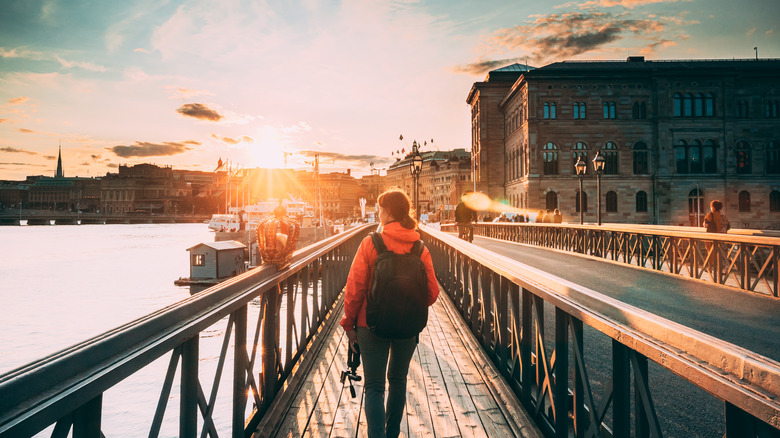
183,83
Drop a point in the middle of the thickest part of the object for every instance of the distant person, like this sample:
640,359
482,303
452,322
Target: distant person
715,221
557,216
540,217
465,216
548,216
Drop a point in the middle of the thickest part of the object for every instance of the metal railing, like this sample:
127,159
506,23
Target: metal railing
66,389
504,303
750,263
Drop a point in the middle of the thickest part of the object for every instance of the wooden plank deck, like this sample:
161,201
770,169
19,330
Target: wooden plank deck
453,389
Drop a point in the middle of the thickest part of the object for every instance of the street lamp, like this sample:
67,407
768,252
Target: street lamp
598,165
416,169
580,167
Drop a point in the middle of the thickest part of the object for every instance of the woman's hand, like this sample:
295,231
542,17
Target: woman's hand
352,336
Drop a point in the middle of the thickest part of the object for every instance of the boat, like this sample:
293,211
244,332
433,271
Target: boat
255,213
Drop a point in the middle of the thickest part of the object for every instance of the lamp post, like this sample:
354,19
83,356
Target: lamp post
580,168
598,165
416,169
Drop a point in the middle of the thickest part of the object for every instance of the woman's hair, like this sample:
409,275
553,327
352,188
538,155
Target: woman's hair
398,206
717,205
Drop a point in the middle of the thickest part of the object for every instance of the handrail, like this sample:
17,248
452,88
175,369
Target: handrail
747,262
66,387
503,302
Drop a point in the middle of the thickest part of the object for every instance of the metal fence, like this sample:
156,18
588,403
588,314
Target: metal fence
66,389
747,262
504,303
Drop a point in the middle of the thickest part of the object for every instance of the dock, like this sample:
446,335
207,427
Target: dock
453,389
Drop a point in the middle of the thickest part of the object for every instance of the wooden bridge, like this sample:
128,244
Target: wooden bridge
504,354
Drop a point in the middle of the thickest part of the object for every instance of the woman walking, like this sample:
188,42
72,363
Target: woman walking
383,358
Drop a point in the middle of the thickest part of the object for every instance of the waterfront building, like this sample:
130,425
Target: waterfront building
442,171
675,135
62,193
143,189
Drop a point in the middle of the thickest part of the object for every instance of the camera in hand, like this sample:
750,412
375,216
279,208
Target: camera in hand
353,362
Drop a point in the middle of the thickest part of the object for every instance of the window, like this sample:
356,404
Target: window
610,154
687,105
609,110
680,156
696,208
709,158
579,150
639,110
770,109
709,105
552,201
550,159
584,201
677,105
743,158
611,202
698,105
641,202
579,110
774,200
742,109
549,110
641,156
744,201
772,158
199,260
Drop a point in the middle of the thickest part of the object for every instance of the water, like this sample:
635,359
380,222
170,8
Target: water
60,285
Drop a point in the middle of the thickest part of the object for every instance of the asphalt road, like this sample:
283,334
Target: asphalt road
745,319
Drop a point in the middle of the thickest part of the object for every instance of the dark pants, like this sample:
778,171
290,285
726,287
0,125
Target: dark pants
382,357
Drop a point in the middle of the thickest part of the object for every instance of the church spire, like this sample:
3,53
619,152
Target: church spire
59,164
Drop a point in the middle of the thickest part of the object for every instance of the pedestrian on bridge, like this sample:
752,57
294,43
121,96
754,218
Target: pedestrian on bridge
384,359
715,221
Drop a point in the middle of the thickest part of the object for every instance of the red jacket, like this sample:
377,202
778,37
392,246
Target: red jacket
398,240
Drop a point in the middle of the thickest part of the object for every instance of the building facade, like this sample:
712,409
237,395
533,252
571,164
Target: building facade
675,135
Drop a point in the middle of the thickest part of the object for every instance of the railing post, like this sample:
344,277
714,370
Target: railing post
621,389
270,353
87,419
188,407
525,349
561,388
240,363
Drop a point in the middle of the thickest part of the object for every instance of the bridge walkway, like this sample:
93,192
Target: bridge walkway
453,389
748,319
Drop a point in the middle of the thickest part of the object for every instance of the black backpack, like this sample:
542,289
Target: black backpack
397,306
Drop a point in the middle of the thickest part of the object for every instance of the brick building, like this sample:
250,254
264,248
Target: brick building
675,134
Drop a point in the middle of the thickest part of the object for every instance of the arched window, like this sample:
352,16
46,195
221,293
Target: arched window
743,158
584,201
579,150
552,200
709,157
709,105
696,205
611,158
550,159
641,202
744,201
610,110
611,202
677,105
773,158
635,110
774,200
643,110
681,156
694,157
641,159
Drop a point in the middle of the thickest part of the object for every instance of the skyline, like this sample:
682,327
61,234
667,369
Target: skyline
184,84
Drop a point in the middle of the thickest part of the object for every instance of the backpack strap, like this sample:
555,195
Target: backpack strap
379,244
417,248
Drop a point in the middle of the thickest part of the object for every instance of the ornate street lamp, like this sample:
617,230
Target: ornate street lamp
416,169
598,165
580,167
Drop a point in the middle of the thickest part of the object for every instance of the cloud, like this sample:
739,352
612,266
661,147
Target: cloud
236,140
50,157
181,92
4,120
629,4
18,100
96,157
146,149
15,150
562,36
484,65
140,50
22,164
80,64
199,111
26,131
